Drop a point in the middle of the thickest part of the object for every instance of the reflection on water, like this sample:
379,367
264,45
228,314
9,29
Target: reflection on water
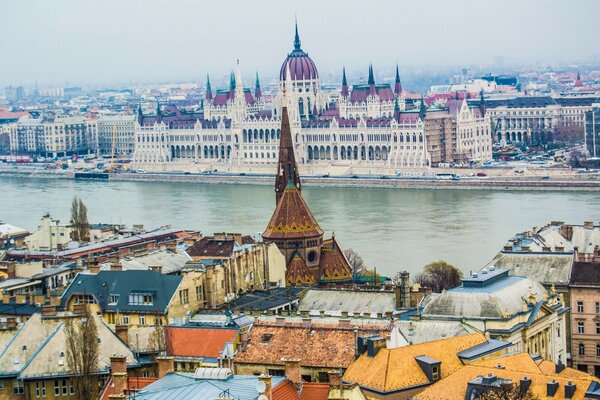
392,229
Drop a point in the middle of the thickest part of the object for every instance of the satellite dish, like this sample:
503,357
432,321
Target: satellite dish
263,397
260,387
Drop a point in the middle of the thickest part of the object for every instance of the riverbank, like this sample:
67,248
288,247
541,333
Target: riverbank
586,183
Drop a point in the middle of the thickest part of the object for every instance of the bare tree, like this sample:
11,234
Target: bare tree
507,392
356,262
81,334
439,275
157,337
79,221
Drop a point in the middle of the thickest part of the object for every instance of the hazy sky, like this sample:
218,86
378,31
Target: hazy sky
105,41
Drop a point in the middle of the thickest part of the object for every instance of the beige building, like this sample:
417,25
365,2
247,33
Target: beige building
514,309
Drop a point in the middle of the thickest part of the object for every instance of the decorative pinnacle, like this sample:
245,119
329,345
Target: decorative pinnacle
296,37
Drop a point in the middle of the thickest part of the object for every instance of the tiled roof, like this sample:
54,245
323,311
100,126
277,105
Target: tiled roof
265,300
585,274
333,264
292,218
314,347
298,274
208,246
514,368
123,283
133,385
396,369
285,391
169,261
334,302
546,268
197,342
314,391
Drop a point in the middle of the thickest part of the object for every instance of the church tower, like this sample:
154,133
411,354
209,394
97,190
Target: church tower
293,227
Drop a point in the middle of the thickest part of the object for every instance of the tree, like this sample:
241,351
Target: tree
81,334
439,275
356,262
79,221
507,392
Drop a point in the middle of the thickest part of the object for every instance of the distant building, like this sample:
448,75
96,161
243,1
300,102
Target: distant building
55,136
116,134
592,131
514,309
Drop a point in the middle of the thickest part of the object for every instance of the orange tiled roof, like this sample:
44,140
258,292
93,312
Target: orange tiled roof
314,391
314,347
548,367
292,218
396,369
334,266
454,386
197,342
133,384
285,391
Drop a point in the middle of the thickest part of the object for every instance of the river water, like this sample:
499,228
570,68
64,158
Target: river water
391,229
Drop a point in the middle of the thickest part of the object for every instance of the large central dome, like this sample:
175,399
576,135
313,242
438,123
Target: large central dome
301,66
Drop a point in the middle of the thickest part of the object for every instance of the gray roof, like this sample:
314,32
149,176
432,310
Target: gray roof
177,386
501,299
546,268
421,331
123,283
334,302
169,261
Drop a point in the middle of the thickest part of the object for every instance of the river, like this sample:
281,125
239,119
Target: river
392,229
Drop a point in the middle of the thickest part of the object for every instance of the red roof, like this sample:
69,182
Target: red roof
197,342
133,385
285,391
314,391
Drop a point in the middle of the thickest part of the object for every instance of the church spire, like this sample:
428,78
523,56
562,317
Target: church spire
297,38
257,91
371,81
208,89
287,169
344,83
482,103
397,85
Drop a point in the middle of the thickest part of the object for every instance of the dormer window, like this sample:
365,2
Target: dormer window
435,373
266,338
113,299
141,299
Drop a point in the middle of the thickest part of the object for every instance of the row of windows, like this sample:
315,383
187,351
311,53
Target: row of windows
581,349
580,307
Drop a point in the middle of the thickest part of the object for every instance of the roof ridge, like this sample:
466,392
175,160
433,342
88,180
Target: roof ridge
41,347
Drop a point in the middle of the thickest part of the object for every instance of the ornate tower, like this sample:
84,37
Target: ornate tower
293,227
344,83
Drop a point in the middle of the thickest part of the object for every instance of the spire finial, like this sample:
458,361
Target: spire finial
371,77
344,82
397,74
422,109
208,88
296,37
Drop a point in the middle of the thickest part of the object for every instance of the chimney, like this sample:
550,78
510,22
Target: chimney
11,323
588,224
48,310
559,366
292,370
344,314
570,390
156,268
405,287
164,366
268,393
11,269
118,371
524,384
122,332
116,266
551,388
335,379
374,344
244,339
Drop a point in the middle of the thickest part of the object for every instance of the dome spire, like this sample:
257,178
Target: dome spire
296,37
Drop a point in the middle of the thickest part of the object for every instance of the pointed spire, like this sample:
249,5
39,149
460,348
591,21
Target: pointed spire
397,85
344,83
287,170
482,103
257,91
297,38
208,89
372,91
422,109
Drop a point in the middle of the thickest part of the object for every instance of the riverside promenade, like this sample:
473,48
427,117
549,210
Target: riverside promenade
575,182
